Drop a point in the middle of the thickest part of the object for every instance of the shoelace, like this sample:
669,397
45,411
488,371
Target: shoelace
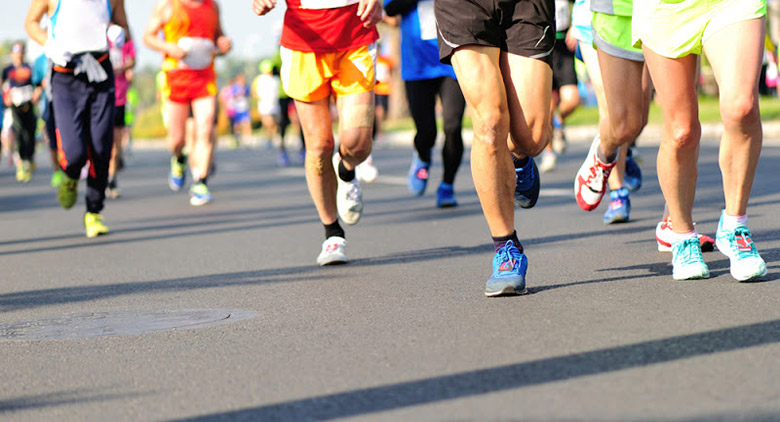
688,252
525,179
505,255
744,233
596,177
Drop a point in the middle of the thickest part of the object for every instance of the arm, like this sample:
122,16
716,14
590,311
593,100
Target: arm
223,42
261,7
160,16
370,12
118,16
399,7
32,23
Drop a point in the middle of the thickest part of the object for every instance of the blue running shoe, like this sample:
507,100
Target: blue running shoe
619,207
200,195
632,179
509,268
418,176
527,187
177,174
687,261
445,196
745,263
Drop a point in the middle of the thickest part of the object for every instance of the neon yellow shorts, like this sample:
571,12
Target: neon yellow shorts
612,35
308,76
677,28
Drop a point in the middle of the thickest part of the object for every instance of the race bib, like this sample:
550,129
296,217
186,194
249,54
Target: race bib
427,20
200,52
21,94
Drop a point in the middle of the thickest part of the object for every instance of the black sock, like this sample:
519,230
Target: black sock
344,174
334,229
519,162
499,242
203,180
181,159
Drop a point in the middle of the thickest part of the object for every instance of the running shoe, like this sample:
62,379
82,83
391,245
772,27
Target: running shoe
56,178
549,161
349,197
687,261
558,142
112,190
509,269
282,160
333,251
445,196
67,192
93,223
366,171
23,172
200,195
527,184
619,207
177,175
745,262
664,236
591,181
418,176
632,179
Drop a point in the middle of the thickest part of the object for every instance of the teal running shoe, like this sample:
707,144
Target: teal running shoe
745,262
687,261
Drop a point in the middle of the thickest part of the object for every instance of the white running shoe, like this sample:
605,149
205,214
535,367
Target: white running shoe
349,197
333,251
366,171
591,180
549,161
737,244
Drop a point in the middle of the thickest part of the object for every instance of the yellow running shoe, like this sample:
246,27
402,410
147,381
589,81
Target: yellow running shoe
67,192
20,171
93,222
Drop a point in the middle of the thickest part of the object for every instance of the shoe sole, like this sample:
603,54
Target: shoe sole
691,276
616,220
334,261
507,291
93,235
200,202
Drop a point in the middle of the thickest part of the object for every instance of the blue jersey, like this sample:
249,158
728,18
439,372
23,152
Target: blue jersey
419,45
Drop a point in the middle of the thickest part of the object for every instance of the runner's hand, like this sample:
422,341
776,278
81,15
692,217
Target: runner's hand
224,44
261,7
174,51
56,53
370,12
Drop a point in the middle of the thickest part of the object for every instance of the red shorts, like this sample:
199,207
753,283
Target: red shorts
187,85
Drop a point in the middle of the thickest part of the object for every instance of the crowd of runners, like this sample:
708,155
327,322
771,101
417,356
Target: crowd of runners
510,61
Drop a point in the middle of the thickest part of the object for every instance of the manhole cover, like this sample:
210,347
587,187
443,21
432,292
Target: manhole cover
119,323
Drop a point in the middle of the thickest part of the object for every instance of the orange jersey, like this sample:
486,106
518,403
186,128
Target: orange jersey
193,20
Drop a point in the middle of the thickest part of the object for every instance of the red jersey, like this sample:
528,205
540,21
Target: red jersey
324,26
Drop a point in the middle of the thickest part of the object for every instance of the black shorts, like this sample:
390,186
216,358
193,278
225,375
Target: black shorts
563,65
522,27
119,116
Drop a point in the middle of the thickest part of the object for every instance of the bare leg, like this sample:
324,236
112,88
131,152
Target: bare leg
316,122
679,151
355,136
202,153
735,53
528,85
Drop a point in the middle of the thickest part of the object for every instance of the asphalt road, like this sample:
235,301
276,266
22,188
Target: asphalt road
404,331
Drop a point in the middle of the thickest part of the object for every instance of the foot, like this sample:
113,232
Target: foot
282,160
664,236
445,196
619,207
67,192
56,178
632,179
549,161
509,269
687,261
112,190
527,184
418,176
591,180
333,251
737,244
559,142
366,171
349,197
200,195
93,223
177,175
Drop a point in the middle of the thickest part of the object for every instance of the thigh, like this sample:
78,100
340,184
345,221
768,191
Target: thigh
735,53
354,71
622,83
101,122
529,93
675,84
316,124
204,110
479,74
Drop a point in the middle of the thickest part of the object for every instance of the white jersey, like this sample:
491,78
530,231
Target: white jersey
267,91
79,26
562,15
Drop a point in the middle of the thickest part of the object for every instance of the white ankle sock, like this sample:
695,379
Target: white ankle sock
731,221
676,237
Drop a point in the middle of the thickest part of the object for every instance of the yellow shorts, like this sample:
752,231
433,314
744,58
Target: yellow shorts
311,77
677,28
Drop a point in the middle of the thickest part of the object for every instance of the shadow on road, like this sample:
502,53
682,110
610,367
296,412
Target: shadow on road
501,378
